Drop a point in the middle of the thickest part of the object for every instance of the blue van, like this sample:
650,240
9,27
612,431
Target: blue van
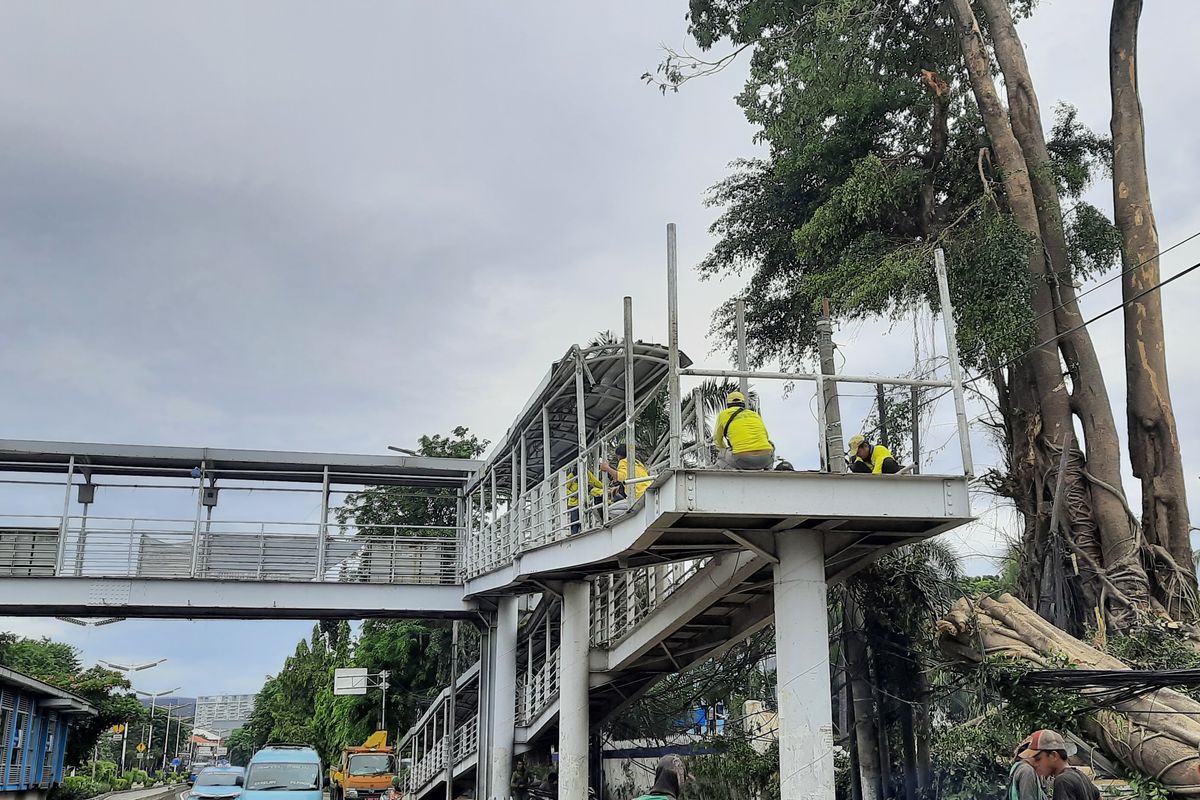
294,769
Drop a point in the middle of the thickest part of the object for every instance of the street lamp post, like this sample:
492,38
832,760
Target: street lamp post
153,704
167,733
128,669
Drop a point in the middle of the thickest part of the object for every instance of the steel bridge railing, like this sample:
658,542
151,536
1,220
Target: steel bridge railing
113,547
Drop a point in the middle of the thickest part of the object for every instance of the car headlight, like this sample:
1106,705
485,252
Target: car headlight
351,794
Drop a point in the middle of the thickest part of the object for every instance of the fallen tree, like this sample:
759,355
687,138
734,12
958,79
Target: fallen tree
1156,734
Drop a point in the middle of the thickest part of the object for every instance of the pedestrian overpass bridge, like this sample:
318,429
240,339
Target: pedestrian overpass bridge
583,602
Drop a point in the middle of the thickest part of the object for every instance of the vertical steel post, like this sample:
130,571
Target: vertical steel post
742,358
524,464
60,553
574,723
914,396
833,446
323,529
701,428
460,530
503,701
545,443
956,383
199,508
581,466
801,635
630,431
674,401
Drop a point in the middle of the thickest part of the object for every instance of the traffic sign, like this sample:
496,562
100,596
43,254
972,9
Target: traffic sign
118,728
141,748
350,681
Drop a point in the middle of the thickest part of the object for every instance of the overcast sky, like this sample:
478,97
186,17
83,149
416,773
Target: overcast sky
339,226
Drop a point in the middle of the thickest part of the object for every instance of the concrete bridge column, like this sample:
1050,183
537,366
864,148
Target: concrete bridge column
573,721
502,699
802,668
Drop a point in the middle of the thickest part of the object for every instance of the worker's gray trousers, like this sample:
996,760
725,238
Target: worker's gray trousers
759,460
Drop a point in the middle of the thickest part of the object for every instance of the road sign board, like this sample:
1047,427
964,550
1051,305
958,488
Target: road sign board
118,728
141,747
350,681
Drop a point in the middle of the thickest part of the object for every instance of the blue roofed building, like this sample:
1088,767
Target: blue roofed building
35,721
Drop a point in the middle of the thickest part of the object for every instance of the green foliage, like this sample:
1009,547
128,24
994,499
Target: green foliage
58,664
1153,647
971,762
1147,788
136,776
1028,708
975,585
78,787
241,746
400,506
738,771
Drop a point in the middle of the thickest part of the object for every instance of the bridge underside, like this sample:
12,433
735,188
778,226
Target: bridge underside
211,599
692,514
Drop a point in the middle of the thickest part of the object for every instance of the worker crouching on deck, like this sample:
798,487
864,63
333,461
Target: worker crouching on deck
741,436
620,475
868,458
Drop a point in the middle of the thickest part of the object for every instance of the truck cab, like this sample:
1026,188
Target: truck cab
365,772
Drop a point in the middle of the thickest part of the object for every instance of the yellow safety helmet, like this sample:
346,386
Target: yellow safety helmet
735,398
856,441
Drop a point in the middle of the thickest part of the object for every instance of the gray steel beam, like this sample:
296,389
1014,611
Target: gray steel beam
211,599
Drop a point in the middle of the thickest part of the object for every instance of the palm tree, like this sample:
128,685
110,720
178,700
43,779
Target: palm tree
652,427
889,615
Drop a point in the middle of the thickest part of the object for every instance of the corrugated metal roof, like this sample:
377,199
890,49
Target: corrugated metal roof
604,404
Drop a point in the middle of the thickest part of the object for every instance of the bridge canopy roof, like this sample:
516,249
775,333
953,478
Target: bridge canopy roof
222,463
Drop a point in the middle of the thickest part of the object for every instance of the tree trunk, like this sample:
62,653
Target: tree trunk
856,783
1089,393
858,671
1155,734
924,733
881,724
1153,438
909,741
1046,368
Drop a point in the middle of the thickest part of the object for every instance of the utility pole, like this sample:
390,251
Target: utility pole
153,704
833,448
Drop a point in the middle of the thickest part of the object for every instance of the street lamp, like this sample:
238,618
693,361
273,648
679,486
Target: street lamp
153,704
91,623
167,733
128,669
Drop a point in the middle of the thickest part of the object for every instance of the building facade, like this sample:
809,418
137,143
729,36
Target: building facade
35,719
226,709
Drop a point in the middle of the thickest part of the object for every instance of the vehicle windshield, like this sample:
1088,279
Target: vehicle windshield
282,777
217,779
371,764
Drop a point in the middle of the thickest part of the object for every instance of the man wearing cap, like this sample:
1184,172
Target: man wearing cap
1047,752
741,437
868,458
1023,780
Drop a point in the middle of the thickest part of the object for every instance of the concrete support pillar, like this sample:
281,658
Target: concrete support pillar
802,648
573,722
502,701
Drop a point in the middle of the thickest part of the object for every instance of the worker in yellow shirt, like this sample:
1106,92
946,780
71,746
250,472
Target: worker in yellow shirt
595,489
621,474
868,458
741,437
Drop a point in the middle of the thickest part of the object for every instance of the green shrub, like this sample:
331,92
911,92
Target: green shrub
77,787
120,784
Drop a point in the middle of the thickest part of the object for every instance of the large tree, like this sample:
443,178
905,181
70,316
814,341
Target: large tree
887,138
1153,437
58,664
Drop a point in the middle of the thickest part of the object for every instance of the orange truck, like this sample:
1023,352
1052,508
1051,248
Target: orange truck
366,772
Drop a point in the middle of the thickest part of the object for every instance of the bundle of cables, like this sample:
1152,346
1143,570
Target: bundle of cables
1106,687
